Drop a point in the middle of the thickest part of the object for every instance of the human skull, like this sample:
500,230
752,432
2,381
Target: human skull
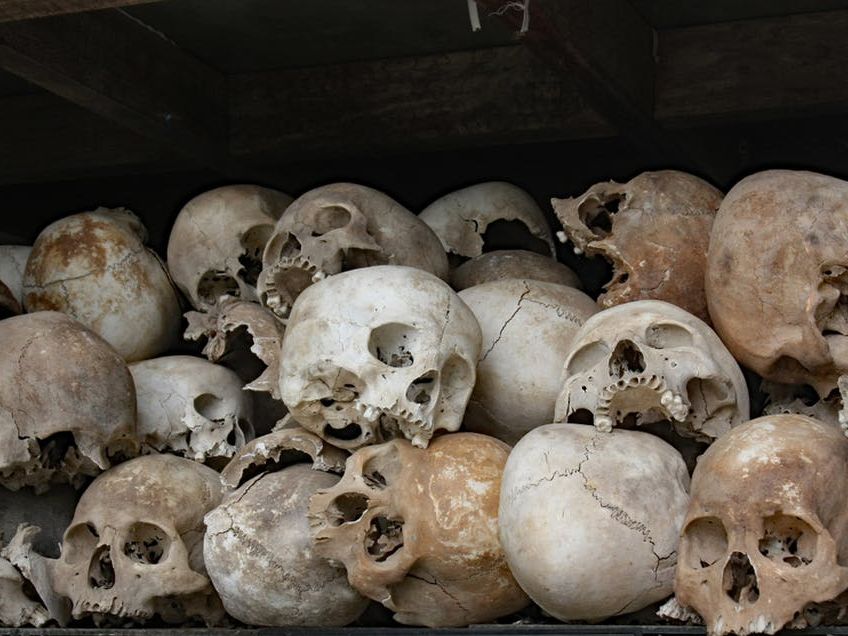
478,219
503,264
766,534
377,353
341,227
67,402
590,521
417,530
782,309
94,266
649,361
191,407
215,247
527,330
13,260
654,230
135,546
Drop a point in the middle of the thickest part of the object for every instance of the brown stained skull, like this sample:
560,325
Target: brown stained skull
337,228
654,230
766,535
417,530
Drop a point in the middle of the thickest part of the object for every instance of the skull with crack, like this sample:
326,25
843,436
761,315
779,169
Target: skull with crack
766,536
191,407
67,402
647,362
503,264
337,228
215,247
654,230
416,530
134,549
377,353
623,497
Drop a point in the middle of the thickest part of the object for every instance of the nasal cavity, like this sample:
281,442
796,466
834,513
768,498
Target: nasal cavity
740,580
626,358
101,574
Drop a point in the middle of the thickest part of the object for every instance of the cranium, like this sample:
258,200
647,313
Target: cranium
417,529
654,230
13,260
215,247
503,264
67,403
191,407
94,266
650,361
135,546
376,353
340,227
782,308
527,330
590,521
766,535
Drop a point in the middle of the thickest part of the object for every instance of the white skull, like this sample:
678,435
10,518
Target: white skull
340,227
649,361
13,260
377,353
191,407
766,536
67,402
590,521
215,247
503,264
135,546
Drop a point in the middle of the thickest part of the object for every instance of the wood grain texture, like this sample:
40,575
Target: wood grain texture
11,10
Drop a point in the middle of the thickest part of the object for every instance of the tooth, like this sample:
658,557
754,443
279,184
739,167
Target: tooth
371,414
603,424
667,398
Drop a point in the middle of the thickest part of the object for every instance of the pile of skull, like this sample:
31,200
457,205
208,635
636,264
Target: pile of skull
388,411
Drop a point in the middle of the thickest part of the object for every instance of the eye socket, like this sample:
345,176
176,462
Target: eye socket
347,508
214,284
394,344
706,542
147,543
587,358
788,540
79,543
328,218
666,335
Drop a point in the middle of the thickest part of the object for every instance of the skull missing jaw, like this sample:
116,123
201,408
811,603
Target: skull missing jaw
393,344
384,538
626,358
253,241
147,543
101,574
788,539
740,580
214,284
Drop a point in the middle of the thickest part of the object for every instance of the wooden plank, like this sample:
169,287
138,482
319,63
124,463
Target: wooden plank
767,68
460,99
11,10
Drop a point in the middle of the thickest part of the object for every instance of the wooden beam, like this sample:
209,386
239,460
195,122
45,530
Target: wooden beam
463,99
11,10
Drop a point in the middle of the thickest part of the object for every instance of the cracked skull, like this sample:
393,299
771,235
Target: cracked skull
341,227
417,530
94,266
378,353
135,546
590,521
215,247
654,230
67,402
191,407
766,535
647,362
782,309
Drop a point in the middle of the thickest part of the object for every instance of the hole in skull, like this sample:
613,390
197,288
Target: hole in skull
210,406
348,508
284,246
393,344
706,542
581,416
597,214
214,284
54,448
421,389
253,241
238,356
101,574
288,457
146,543
384,538
626,358
329,218
740,580
346,433
789,540
512,235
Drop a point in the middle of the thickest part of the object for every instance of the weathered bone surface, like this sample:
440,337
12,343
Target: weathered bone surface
67,402
215,247
527,328
191,407
19,607
377,353
134,549
787,399
259,554
461,220
13,260
650,361
654,230
417,530
590,521
782,308
766,534
337,228
503,264
94,266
